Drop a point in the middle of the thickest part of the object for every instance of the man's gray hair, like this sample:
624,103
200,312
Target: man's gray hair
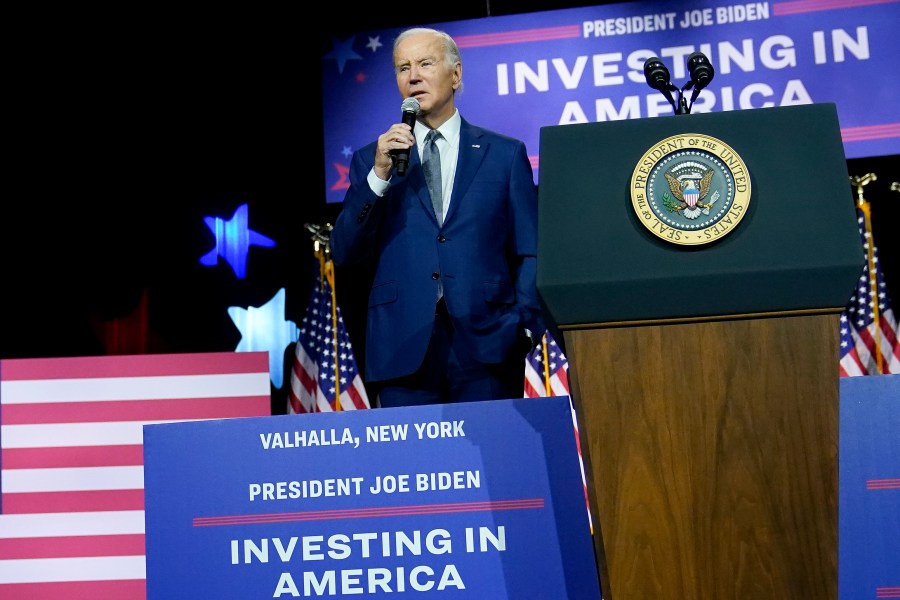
451,50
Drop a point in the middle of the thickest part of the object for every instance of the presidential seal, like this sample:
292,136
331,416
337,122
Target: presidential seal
690,189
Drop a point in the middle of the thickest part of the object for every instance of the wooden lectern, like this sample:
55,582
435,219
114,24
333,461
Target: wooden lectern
705,378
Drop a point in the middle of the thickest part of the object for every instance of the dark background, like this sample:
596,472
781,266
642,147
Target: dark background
128,127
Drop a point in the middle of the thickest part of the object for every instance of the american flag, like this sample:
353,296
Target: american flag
324,376
547,374
72,486
557,368
869,347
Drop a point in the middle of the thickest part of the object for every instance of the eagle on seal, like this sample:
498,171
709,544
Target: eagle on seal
690,192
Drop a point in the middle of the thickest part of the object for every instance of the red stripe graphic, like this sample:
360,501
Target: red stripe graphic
387,511
780,9
883,484
74,456
870,132
24,503
170,409
144,365
517,37
81,546
132,589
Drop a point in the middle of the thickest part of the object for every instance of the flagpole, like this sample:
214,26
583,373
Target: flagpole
864,206
319,252
329,274
546,365
326,267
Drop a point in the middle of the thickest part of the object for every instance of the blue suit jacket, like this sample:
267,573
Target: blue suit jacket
484,254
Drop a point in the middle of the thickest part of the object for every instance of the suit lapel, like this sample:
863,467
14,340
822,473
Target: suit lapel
472,150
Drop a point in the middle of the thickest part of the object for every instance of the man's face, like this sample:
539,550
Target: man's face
420,64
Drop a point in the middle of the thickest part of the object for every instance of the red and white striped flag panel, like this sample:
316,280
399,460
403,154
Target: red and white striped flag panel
71,434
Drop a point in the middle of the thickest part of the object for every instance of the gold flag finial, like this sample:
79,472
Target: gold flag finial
321,236
859,182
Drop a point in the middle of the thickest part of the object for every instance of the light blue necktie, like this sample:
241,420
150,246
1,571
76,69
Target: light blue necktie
431,163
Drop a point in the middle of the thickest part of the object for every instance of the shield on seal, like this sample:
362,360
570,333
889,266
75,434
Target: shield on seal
691,194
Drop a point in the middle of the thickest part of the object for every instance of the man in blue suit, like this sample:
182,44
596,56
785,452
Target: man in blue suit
454,298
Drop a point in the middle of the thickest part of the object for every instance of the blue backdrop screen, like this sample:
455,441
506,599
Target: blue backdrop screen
524,72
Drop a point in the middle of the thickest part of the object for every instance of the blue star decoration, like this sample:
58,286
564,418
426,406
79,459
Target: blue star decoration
264,329
233,241
342,52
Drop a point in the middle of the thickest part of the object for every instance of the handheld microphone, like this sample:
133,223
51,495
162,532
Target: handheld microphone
410,108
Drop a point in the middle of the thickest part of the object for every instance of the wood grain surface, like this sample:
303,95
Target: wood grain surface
712,452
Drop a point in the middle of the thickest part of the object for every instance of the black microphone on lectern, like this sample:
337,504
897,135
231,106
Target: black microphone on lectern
409,108
657,76
701,71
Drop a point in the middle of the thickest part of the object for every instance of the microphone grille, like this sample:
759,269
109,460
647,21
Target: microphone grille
700,68
656,73
410,105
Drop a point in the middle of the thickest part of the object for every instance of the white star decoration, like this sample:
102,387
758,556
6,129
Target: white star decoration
264,328
374,43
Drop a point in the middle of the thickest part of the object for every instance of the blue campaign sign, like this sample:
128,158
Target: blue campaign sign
473,501
585,65
869,518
